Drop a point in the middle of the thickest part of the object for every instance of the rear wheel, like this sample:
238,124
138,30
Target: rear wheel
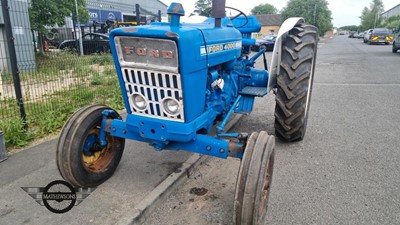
394,49
80,158
294,82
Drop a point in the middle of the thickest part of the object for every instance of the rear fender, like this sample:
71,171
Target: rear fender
276,55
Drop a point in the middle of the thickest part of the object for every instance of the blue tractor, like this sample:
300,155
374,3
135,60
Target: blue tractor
181,83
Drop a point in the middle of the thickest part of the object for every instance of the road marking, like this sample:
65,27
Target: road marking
358,85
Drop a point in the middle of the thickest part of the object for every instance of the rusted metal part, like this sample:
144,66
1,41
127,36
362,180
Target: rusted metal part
100,160
108,125
178,7
129,29
235,149
263,189
172,34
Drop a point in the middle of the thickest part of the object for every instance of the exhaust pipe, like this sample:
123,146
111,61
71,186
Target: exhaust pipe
218,11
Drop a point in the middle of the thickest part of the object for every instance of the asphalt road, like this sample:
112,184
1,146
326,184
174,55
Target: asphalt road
345,171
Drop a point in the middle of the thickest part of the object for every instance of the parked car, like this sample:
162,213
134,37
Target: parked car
360,35
352,34
266,43
396,43
378,35
92,43
367,34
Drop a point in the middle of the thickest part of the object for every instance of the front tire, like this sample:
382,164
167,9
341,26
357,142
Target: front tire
80,159
294,82
254,180
394,49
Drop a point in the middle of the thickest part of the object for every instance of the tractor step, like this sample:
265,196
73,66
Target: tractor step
254,91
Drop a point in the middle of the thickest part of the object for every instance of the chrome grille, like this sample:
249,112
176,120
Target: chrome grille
154,86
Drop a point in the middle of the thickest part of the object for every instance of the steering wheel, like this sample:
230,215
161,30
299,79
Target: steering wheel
237,15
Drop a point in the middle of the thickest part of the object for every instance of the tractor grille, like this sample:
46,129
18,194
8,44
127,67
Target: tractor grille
155,87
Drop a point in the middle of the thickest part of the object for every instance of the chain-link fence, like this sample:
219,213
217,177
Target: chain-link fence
39,89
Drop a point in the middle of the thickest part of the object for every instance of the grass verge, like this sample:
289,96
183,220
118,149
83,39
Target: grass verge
48,114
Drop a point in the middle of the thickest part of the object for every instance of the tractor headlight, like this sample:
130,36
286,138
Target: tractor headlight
139,102
171,106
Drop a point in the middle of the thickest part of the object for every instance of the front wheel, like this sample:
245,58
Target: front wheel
254,180
394,49
80,159
294,82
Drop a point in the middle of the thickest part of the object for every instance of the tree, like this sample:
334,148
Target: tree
350,28
203,7
392,22
44,13
264,9
314,12
370,17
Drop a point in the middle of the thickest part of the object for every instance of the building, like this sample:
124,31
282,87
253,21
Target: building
395,11
103,14
101,11
270,24
22,35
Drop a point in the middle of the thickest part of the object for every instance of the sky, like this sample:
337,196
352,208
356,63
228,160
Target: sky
344,12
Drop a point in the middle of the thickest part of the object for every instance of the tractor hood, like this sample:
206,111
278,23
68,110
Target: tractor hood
198,45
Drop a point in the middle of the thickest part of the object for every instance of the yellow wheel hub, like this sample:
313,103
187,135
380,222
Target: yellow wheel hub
89,159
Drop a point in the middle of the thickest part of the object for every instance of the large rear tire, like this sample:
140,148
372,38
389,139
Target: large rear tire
294,82
254,180
80,159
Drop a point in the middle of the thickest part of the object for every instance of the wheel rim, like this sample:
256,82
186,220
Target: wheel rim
266,187
96,159
310,83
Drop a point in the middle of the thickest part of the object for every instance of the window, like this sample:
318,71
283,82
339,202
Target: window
88,37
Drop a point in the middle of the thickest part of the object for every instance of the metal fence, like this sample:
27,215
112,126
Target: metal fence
40,90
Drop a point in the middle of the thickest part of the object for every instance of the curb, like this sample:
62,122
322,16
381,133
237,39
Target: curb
143,210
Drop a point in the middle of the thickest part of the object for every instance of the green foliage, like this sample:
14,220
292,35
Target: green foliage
370,17
264,9
44,13
350,28
101,59
314,12
203,7
95,84
392,22
14,132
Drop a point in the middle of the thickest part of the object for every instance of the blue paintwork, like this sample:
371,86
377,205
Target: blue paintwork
89,142
206,54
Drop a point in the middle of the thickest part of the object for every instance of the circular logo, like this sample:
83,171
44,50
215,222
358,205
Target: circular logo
59,196
111,16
